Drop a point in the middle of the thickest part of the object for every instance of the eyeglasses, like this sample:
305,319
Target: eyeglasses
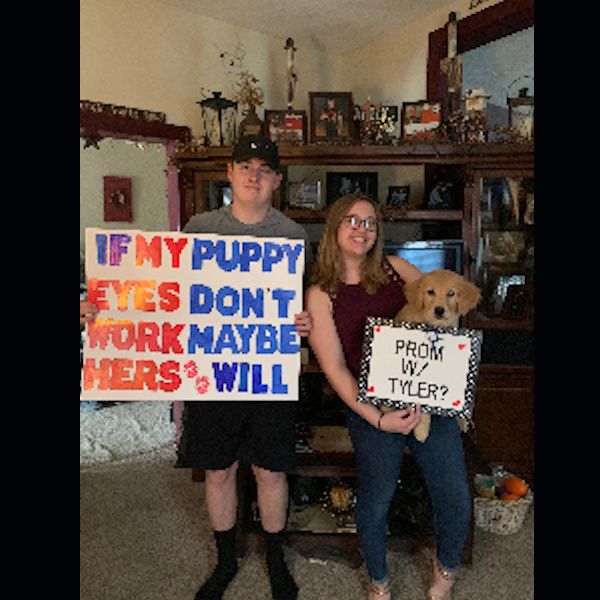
355,222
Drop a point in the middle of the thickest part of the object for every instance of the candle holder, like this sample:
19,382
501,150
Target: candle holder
219,120
520,114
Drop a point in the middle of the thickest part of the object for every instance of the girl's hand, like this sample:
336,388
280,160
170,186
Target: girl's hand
403,420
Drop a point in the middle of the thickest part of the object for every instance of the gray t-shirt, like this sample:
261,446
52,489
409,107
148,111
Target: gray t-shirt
275,224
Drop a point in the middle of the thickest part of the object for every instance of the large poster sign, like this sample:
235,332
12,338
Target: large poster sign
192,316
410,363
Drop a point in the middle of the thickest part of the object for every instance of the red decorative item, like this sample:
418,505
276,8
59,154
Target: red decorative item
117,199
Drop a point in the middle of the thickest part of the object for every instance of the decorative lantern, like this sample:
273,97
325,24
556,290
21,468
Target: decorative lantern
520,114
219,120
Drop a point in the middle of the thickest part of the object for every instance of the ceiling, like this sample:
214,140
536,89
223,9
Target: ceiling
335,26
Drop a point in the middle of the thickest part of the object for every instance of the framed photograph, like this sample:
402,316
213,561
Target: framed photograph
117,199
503,246
283,126
444,185
218,193
343,183
420,119
304,194
398,195
331,116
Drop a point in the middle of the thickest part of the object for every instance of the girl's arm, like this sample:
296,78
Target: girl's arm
325,342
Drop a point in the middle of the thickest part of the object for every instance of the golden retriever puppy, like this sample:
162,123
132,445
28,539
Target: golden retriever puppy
439,298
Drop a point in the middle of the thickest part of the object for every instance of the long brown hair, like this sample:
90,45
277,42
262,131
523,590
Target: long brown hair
328,268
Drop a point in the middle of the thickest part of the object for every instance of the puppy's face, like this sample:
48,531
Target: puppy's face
441,297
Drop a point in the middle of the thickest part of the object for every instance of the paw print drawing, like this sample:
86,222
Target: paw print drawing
202,383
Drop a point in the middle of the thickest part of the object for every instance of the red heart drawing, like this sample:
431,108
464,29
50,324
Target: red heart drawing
377,329
456,403
371,389
462,346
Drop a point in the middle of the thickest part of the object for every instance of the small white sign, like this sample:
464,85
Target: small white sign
409,364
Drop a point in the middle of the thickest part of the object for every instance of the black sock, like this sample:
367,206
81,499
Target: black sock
282,584
226,568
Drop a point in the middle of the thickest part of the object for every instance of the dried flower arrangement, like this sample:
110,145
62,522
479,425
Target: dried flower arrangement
245,88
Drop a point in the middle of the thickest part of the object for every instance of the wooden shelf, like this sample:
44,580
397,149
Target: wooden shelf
395,214
504,392
321,464
307,215
475,322
497,155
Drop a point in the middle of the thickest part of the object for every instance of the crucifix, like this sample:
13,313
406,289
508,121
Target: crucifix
451,66
292,78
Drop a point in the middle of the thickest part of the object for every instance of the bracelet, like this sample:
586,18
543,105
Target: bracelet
379,421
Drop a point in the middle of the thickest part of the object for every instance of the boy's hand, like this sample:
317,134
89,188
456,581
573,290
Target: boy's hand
87,311
303,323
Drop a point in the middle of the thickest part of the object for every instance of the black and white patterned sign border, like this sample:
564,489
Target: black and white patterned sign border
476,338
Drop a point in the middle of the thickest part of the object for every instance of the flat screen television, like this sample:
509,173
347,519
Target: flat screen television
429,255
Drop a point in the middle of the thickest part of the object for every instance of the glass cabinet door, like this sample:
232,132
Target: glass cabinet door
503,220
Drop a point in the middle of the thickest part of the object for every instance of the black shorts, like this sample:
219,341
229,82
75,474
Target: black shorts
216,434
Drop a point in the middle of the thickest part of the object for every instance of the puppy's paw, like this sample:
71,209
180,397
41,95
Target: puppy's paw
463,424
421,431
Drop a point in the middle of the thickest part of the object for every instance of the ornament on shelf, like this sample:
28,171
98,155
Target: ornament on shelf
292,77
451,66
219,116
246,91
475,125
520,114
375,122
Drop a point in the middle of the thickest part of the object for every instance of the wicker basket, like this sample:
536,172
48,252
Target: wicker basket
502,517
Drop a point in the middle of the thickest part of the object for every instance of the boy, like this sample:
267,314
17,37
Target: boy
216,435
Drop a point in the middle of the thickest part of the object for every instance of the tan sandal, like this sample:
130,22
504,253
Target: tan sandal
440,574
379,591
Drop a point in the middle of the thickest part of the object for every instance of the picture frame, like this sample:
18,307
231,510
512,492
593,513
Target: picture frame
341,183
420,119
443,187
503,246
304,194
218,193
331,116
118,199
398,196
285,126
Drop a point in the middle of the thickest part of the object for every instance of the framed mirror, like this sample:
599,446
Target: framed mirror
491,24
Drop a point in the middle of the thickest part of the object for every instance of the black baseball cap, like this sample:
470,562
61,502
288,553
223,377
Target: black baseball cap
256,146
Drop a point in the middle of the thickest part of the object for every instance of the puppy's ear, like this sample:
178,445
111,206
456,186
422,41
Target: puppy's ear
468,297
413,294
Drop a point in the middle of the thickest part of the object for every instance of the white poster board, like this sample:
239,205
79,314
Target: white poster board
409,363
192,316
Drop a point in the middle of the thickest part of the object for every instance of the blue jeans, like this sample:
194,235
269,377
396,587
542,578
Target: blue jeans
379,459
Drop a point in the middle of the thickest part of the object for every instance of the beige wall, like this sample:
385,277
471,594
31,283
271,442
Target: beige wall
151,55
119,158
393,69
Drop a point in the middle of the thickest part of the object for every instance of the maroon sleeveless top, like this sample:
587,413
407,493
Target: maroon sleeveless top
352,305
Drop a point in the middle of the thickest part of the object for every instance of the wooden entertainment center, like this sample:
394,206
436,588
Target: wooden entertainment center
493,215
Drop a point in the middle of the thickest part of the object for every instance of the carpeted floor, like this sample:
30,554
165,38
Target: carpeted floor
144,535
